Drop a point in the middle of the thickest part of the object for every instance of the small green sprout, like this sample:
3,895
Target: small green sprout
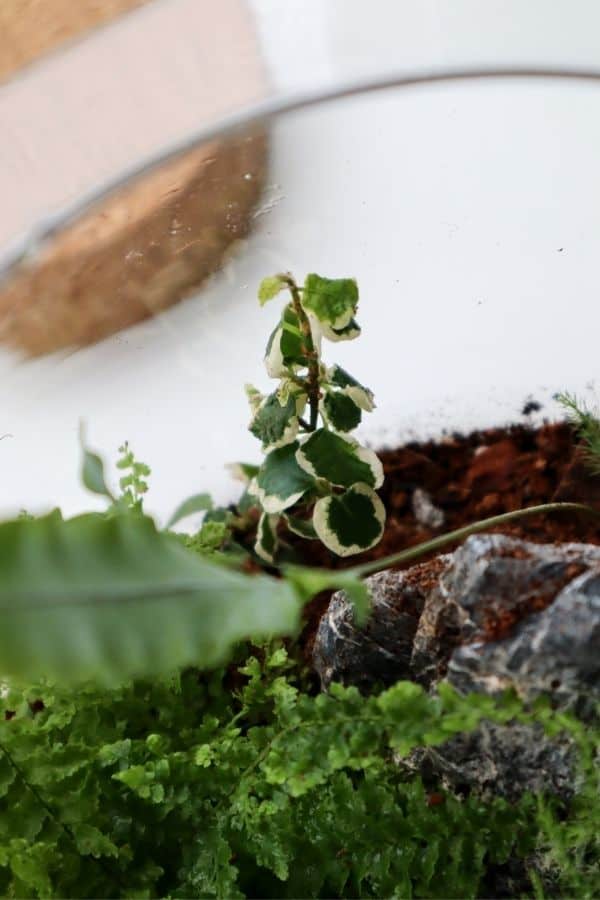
133,484
316,480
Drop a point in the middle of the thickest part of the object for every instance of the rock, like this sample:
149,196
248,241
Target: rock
498,613
493,583
425,511
380,652
553,652
504,760
477,607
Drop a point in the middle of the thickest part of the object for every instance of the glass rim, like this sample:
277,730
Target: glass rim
23,249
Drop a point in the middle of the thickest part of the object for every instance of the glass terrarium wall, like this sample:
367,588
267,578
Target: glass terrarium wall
466,211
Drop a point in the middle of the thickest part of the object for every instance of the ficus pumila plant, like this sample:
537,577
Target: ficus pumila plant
316,479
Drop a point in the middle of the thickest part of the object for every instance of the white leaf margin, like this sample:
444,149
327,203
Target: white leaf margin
364,454
328,536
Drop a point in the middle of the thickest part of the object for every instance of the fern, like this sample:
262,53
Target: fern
587,427
241,783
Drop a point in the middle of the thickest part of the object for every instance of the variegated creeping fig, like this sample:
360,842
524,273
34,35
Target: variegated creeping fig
316,480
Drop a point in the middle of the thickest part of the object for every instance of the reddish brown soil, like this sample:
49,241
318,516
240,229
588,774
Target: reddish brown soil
473,477
480,475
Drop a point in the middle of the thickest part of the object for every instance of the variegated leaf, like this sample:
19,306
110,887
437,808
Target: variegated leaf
274,423
265,545
285,348
361,395
302,527
340,411
332,301
351,522
339,460
280,481
348,333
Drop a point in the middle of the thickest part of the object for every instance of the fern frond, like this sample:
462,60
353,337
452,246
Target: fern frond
586,423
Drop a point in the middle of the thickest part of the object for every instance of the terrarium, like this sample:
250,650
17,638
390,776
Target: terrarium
336,635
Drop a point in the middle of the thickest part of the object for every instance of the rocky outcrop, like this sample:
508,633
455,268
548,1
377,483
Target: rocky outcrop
498,613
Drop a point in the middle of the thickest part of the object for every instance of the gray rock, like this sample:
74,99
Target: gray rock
425,511
503,760
379,653
498,613
554,652
493,583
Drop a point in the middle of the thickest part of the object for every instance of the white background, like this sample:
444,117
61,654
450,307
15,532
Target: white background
469,215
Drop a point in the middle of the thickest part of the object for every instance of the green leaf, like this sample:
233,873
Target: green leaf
339,460
340,411
332,301
276,424
91,842
348,385
31,865
113,597
92,471
351,522
308,582
194,504
266,538
270,287
285,347
280,481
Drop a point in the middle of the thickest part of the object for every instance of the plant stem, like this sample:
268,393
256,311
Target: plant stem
460,533
312,357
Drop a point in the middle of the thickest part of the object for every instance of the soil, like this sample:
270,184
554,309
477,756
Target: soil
463,478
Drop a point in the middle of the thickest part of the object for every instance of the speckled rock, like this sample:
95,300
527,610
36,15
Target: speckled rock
493,584
498,613
555,652
501,760
379,653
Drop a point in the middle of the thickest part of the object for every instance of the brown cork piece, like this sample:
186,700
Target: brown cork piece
149,244
137,254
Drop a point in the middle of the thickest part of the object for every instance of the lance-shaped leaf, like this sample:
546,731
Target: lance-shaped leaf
348,385
112,597
265,545
332,301
280,481
339,460
270,287
350,522
197,503
276,423
92,470
340,411
285,346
